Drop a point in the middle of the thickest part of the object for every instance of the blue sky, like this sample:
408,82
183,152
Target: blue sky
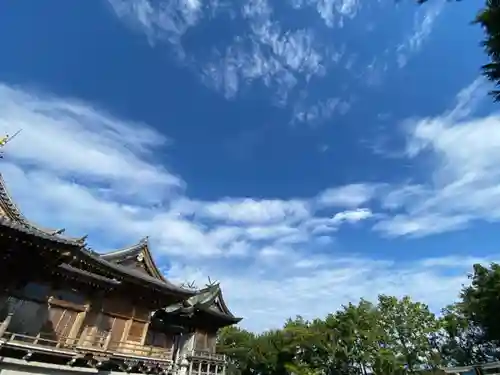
305,153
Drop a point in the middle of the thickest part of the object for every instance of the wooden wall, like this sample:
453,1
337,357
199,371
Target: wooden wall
116,320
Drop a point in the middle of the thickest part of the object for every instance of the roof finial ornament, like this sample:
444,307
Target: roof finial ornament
211,283
6,139
189,285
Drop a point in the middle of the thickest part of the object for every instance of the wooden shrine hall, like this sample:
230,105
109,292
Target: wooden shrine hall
65,307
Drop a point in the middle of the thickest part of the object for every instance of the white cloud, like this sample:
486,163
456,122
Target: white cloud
353,216
414,225
104,150
275,258
463,187
253,211
352,195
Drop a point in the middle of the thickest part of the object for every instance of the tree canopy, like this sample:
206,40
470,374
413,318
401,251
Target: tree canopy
393,336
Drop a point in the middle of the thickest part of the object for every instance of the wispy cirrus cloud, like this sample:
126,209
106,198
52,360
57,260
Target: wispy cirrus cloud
321,111
270,248
278,58
332,12
280,47
423,23
167,20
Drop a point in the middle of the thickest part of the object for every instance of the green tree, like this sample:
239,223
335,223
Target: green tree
359,334
462,343
238,345
409,328
481,301
393,337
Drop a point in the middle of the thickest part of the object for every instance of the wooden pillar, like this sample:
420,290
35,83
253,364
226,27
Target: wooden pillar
199,368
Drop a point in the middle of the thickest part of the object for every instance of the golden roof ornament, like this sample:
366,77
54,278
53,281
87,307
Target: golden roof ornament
6,139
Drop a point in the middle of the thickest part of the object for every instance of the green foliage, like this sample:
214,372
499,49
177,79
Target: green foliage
409,327
462,341
395,336
481,300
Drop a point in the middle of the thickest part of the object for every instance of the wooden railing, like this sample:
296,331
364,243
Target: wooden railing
100,344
